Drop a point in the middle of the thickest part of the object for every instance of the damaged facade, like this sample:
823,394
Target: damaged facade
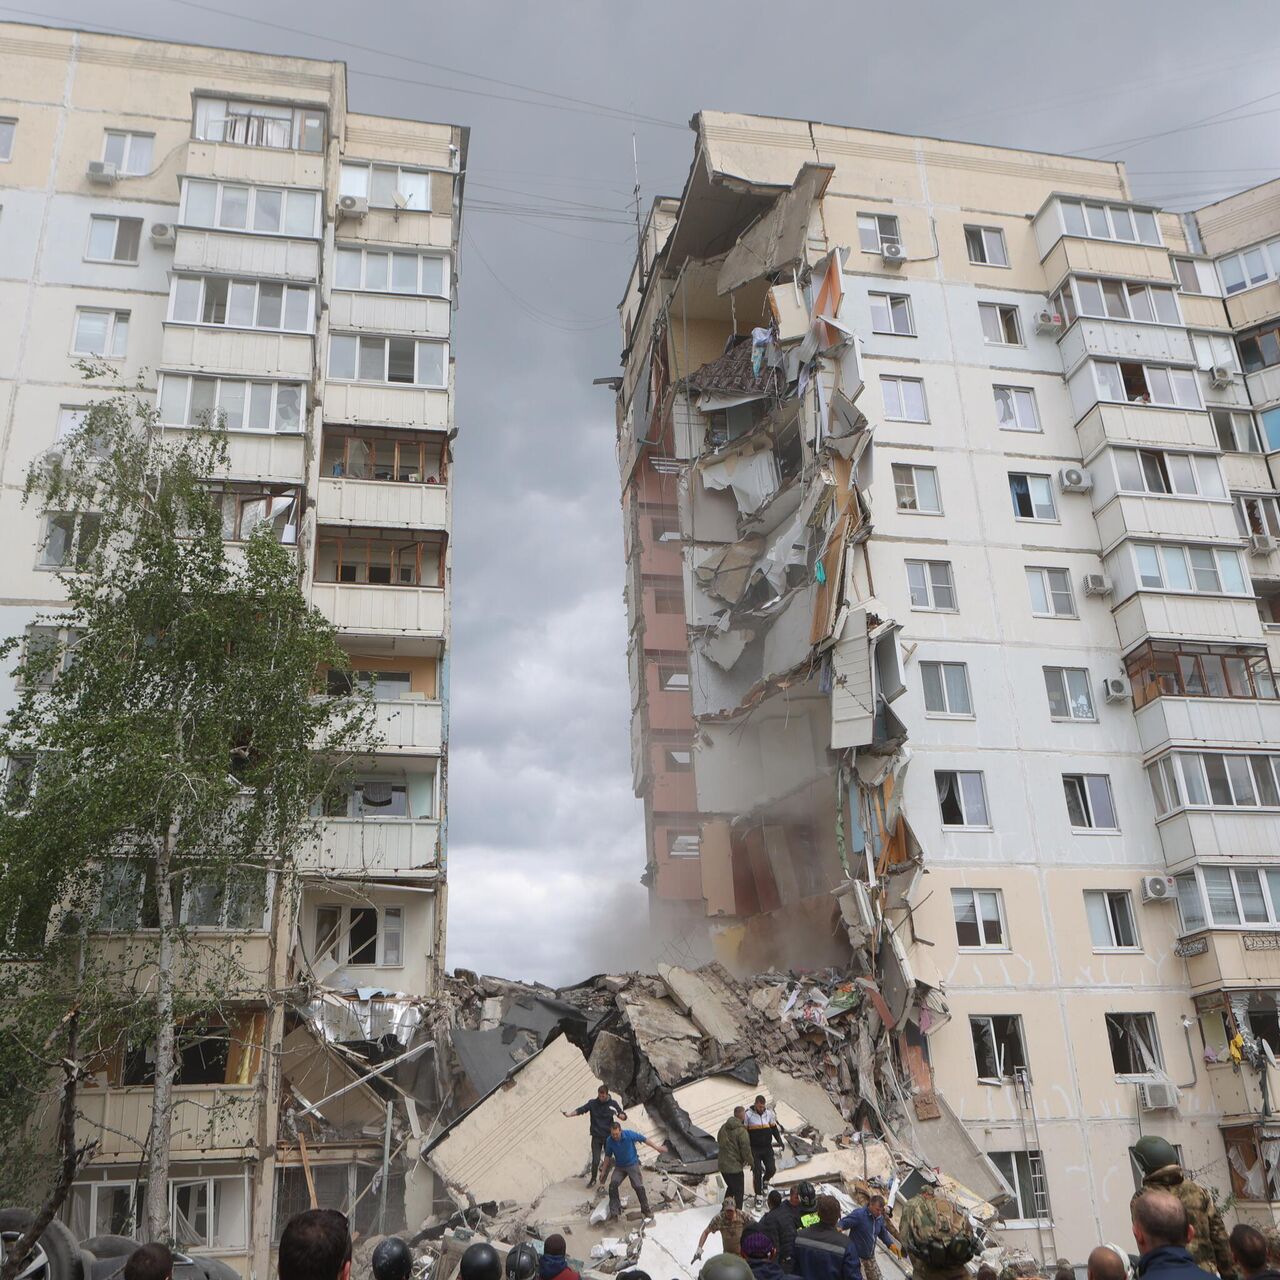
951,529
259,251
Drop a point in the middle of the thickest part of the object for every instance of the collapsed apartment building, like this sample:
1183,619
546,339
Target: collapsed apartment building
950,529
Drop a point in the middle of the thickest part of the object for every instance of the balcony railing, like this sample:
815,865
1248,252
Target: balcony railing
1232,958
373,846
233,253
381,610
1241,835
382,503
208,1120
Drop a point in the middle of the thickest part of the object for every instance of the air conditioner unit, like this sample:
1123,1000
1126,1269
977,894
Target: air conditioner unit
1157,889
1158,1095
1097,584
1115,688
163,233
1048,321
1074,480
892,254
1261,544
1221,376
352,207
101,171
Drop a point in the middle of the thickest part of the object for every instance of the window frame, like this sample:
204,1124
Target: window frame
257,284
1003,944
348,167
114,326
396,549
882,237
1180,780
981,240
1194,879
1160,669
1062,674
1103,392
120,224
1015,398
896,380
71,562
387,339
1109,898
1033,518
899,487
1157,1053
299,126
1160,549
390,251
1046,581
253,192
8,137
342,942
891,304
1216,415
944,688
931,587
125,166
402,442
1008,315
1145,458
276,385
1084,786
1267,250
962,800
1125,290
1012,1178
1014,1020
1108,207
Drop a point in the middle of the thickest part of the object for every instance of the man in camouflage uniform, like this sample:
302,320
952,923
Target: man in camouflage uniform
936,1236
1161,1172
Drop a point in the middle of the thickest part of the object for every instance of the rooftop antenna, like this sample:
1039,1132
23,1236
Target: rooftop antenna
635,161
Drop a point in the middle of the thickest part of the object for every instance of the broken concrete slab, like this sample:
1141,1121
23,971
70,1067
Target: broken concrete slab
694,995
315,1074
612,1062
808,1097
670,1040
669,1243
711,1100
868,1159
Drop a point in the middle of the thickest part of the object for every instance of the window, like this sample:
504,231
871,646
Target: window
1024,1173
204,1213
129,152
1089,802
1234,897
1213,349
673,678
1202,779
931,586
1185,669
241,304
1109,222
1127,383
391,271
100,333
259,124
946,689
1069,696
986,246
386,186
113,239
1016,409
1236,432
677,759
1154,471
231,206
916,489
1122,300
1000,325
368,798
50,648
1260,349
1051,595
384,686
668,600
8,127
69,540
962,798
395,454
246,509
1249,268
239,406
410,361
998,1047
979,916
683,844
891,313
378,561
237,901
1257,514
903,399
1135,1049
364,935
875,230
70,420
1111,923
1188,275
1204,570
1032,497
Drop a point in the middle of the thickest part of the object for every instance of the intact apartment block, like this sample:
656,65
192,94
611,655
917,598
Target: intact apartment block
223,227
950,510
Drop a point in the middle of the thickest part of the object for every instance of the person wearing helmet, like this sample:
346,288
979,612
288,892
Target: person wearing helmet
726,1266
522,1262
1161,1171
392,1260
936,1235
480,1262
804,1203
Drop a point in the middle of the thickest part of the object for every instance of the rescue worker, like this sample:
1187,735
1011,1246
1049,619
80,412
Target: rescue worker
480,1261
522,1262
603,1111
734,1150
804,1204
935,1234
765,1133
1160,1230
1161,1171
725,1266
823,1252
780,1224
730,1223
392,1260
865,1225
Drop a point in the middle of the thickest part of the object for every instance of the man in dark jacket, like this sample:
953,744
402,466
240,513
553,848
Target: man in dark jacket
1161,1171
734,1150
865,1225
1249,1252
762,1255
603,1110
780,1224
824,1252
1160,1232
553,1265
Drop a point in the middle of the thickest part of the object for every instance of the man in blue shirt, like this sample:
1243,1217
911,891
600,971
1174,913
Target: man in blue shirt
866,1225
622,1160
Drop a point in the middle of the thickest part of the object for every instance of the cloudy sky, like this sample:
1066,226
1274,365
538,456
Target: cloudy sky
546,840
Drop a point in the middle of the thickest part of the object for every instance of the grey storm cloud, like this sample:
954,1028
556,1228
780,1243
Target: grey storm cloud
546,839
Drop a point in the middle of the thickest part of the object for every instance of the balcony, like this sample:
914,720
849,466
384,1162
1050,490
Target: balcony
1241,835
237,964
273,166
1214,618
1146,426
1208,722
1122,340
1231,958
1203,311
382,503
233,253
1246,473
388,313
410,726
389,226
364,404
1264,386
373,847
242,351
1133,515
362,609
1106,258
1254,305
209,1121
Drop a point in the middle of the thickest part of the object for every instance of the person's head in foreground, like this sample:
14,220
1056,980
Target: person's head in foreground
1159,1222
1106,1264
151,1262
316,1245
1249,1249
828,1210
775,1198
757,1247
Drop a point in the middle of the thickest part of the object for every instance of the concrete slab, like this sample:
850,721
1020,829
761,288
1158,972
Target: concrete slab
808,1097
864,1161
711,1100
668,1246
696,997
669,1039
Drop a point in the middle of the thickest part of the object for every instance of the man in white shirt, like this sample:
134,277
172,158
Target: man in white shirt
764,1133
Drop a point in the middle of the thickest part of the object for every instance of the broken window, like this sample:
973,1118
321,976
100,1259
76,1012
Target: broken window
247,509
684,843
1000,324
1032,496
69,540
1089,802
1069,696
259,124
360,935
903,399
1111,923
891,313
1185,668
1135,1050
379,560
1023,1171
931,585
997,1046
962,798
986,246
1016,409
875,230
235,899
678,759
673,677
946,689
1253,1155
1260,349
668,600
113,239
916,489
1051,595
1257,515
324,1186
364,453
979,916
385,686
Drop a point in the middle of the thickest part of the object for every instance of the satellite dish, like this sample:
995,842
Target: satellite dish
1269,1054
400,200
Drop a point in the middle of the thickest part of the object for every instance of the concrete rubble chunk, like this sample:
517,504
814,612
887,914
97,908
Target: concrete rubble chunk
696,997
668,1038
612,1062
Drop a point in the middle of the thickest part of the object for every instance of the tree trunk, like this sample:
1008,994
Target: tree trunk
155,1217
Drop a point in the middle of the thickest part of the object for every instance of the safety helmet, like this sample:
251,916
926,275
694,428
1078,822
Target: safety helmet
480,1262
522,1262
392,1259
1152,1153
726,1266
808,1196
